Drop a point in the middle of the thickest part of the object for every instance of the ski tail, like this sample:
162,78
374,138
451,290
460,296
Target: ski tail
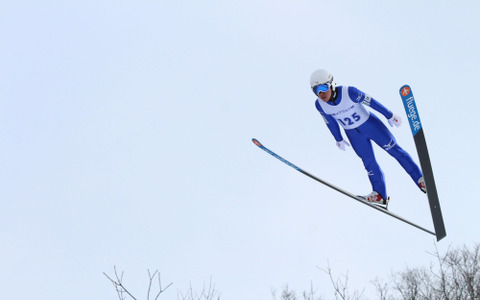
422,150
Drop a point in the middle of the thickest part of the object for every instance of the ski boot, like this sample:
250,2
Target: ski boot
421,185
376,199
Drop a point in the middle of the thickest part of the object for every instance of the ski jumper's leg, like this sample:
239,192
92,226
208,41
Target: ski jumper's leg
384,138
363,148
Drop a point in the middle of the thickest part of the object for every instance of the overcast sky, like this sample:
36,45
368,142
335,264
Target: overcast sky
126,129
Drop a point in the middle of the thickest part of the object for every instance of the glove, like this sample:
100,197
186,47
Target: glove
395,120
342,144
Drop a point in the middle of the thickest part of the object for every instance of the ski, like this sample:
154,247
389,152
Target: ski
421,145
346,193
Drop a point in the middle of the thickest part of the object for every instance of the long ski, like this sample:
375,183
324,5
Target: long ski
421,145
346,193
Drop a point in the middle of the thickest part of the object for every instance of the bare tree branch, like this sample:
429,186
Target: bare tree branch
160,289
205,294
120,288
341,285
455,276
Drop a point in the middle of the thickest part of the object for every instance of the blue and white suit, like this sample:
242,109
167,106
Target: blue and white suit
361,127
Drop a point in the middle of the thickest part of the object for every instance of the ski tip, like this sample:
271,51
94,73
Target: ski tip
405,90
256,142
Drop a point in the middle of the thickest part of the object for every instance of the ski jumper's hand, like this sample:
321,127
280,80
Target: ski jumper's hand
342,145
395,120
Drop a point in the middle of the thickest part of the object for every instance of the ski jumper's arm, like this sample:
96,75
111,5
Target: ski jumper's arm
331,123
360,97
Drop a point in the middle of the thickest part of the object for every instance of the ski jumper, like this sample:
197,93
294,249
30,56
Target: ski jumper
347,107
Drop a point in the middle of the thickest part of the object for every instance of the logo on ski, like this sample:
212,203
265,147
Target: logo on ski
256,142
405,91
411,109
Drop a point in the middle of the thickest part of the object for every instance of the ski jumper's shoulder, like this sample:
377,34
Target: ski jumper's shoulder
357,95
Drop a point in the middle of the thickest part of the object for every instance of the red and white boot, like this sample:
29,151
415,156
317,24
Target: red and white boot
376,198
421,185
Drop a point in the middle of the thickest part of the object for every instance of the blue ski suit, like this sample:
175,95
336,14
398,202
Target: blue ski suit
347,107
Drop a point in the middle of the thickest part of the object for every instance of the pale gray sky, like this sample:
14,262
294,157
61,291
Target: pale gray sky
126,133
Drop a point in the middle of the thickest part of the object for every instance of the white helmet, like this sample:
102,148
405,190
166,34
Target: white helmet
322,77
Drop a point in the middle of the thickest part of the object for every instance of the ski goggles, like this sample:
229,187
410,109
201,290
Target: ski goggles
321,88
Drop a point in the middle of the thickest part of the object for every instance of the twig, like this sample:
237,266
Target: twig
118,285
